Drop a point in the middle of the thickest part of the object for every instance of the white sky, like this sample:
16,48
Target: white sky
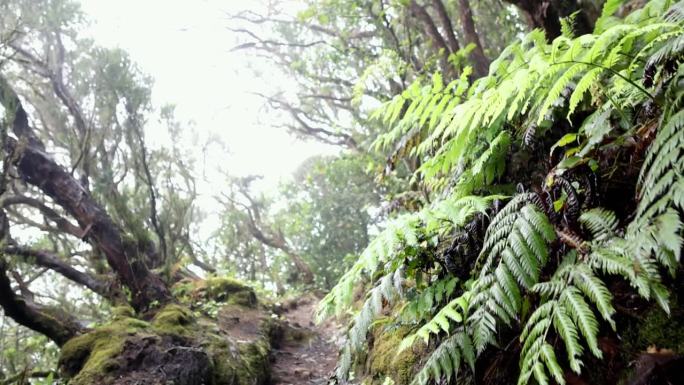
185,46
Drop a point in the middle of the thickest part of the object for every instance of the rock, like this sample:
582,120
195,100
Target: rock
303,373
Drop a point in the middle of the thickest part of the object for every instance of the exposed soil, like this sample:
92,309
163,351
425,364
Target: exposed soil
308,353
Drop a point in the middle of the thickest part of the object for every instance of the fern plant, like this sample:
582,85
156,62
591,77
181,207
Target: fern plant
565,309
384,255
608,87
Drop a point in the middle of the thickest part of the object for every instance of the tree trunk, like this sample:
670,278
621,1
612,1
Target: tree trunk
432,32
480,61
546,14
446,25
38,169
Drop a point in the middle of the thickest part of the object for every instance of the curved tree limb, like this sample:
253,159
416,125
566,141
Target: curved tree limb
62,223
56,326
39,169
49,260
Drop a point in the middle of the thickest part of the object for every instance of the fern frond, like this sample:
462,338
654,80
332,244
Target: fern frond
583,316
453,311
446,359
588,80
609,9
554,93
600,222
594,289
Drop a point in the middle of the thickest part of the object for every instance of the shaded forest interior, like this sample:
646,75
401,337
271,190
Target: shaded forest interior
500,200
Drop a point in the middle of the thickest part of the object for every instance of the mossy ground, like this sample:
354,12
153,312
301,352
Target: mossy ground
219,289
658,330
384,360
104,353
90,357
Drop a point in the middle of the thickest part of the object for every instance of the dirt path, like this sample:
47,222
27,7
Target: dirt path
308,353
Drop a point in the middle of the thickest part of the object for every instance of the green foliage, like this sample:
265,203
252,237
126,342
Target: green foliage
464,136
421,304
327,217
451,312
399,240
513,255
403,235
445,361
566,298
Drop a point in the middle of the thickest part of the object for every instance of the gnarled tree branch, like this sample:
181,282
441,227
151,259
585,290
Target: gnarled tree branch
49,260
57,326
38,169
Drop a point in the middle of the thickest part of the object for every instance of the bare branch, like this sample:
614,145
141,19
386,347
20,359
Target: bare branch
49,260
327,136
62,223
57,326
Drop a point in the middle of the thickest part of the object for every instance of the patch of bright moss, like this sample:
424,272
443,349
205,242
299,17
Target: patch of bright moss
243,298
254,365
124,311
384,360
244,364
173,319
183,289
223,290
89,357
97,357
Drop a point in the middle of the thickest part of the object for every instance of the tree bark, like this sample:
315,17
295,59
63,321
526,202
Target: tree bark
480,61
546,14
38,169
46,259
446,25
432,32
55,325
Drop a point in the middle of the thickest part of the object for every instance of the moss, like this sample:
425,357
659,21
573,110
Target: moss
657,329
223,360
183,289
123,312
103,354
92,355
384,360
243,298
254,367
173,319
248,364
227,289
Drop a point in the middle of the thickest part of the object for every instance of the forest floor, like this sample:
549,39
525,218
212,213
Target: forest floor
307,356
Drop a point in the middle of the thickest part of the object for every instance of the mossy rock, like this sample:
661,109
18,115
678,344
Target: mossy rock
174,319
383,360
183,289
91,356
228,289
255,367
246,363
176,346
